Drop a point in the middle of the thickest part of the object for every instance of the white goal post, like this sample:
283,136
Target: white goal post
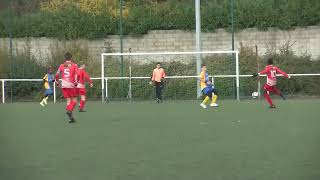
103,55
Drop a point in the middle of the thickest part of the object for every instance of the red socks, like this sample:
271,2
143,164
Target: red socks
267,97
82,104
71,106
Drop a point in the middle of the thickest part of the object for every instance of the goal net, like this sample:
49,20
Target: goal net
126,76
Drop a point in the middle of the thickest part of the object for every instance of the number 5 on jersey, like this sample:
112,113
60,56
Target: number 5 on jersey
66,72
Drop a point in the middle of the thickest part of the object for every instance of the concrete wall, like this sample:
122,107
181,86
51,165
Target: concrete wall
303,41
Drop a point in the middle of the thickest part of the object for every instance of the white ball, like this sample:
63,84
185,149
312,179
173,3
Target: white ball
255,94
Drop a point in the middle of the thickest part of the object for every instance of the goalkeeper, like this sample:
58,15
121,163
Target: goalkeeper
157,78
207,88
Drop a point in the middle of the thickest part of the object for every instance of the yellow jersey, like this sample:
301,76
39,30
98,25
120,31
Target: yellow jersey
48,81
204,77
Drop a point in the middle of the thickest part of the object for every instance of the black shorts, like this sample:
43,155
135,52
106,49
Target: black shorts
158,84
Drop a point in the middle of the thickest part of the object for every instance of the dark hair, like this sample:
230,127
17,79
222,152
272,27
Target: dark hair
67,56
202,65
270,61
158,63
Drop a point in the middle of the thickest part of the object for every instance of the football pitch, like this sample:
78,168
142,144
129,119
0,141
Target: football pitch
171,141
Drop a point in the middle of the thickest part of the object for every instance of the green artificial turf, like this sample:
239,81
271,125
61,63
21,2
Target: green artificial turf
171,141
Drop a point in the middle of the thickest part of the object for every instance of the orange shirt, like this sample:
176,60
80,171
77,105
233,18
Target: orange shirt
158,74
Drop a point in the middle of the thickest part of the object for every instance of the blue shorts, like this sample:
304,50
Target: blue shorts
48,92
209,90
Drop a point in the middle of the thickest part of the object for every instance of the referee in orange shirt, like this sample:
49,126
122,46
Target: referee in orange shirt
158,76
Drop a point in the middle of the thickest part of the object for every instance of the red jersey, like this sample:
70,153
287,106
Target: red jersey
68,72
83,77
271,72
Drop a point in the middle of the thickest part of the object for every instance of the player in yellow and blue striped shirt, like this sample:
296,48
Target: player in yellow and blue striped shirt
207,88
48,80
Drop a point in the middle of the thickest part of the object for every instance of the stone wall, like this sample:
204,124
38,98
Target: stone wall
302,41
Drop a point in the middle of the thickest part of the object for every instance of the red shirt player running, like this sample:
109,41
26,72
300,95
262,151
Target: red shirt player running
271,71
68,71
83,77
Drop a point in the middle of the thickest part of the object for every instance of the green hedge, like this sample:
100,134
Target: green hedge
23,66
71,23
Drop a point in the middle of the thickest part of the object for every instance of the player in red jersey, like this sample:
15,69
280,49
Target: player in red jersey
83,77
271,71
68,71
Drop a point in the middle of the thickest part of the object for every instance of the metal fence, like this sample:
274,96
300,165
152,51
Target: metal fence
106,82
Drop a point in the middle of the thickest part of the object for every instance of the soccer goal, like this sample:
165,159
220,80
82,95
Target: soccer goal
127,75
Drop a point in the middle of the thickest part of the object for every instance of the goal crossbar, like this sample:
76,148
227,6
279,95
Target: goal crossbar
168,53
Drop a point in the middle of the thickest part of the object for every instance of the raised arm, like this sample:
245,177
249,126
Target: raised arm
265,71
279,71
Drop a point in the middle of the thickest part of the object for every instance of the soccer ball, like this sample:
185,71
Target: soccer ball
255,95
